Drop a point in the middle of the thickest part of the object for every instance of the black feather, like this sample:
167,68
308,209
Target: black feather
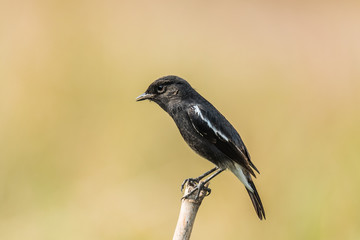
256,201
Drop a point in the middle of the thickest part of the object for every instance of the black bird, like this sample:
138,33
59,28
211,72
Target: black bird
206,131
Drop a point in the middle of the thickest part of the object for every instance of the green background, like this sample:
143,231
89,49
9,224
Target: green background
80,159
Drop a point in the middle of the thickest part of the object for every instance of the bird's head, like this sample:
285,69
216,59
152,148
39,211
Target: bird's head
165,90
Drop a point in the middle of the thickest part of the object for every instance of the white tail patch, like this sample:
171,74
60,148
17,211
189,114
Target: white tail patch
238,171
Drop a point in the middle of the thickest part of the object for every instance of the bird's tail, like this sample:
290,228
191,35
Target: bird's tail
245,178
256,201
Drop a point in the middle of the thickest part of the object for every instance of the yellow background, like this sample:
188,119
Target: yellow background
80,159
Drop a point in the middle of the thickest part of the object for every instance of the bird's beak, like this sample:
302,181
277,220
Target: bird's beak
144,96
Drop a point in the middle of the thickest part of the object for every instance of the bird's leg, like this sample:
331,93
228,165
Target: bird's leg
192,180
201,185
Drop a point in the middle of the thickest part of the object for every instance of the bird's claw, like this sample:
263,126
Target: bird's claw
191,181
199,187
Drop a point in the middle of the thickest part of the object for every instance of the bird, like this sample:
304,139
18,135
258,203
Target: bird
206,131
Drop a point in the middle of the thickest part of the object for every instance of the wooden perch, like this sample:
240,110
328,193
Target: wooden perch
188,211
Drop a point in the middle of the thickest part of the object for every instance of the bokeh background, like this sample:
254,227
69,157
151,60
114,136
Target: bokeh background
80,159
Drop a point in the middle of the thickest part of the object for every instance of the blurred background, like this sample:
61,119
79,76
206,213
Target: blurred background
80,159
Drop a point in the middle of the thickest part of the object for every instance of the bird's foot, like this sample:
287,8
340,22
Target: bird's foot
191,181
199,187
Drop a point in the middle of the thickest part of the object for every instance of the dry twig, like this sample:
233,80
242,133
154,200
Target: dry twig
188,211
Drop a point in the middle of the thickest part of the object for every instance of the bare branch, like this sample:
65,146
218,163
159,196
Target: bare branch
188,211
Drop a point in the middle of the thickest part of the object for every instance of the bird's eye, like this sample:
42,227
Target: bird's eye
160,89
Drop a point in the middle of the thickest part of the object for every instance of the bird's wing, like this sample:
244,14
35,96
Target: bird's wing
211,129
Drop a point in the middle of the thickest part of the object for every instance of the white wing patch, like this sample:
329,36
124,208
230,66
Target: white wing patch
217,132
